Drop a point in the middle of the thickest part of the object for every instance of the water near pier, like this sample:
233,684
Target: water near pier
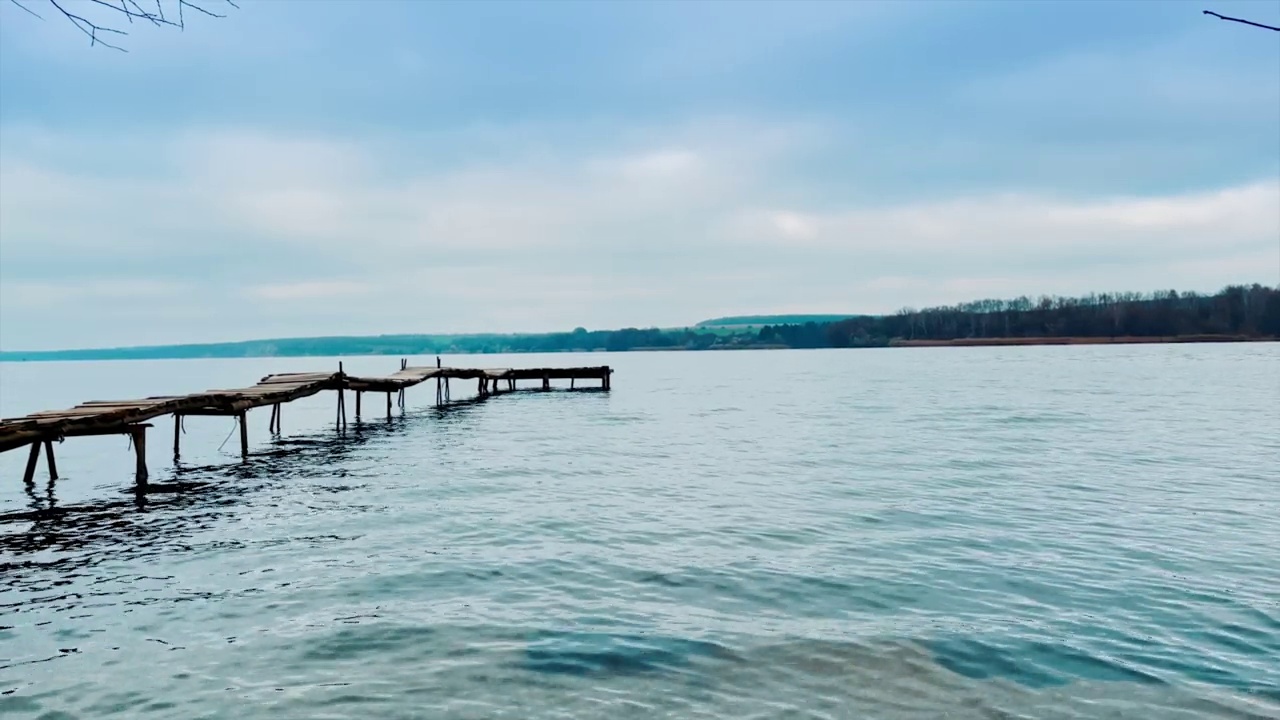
1037,532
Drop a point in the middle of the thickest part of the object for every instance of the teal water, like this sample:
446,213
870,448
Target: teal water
1054,532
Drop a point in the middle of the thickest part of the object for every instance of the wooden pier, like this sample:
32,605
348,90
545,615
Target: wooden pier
129,417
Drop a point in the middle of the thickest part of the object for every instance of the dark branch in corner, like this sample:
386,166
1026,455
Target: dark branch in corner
131,10
1241,20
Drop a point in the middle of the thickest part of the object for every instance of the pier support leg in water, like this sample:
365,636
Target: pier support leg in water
33,459
340,422
139,435
546,383
241,419
388,405
177,435
358,394
48,457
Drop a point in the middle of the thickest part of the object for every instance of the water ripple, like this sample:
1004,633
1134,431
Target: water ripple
1002,533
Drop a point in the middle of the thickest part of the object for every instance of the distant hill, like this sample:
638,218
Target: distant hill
756,320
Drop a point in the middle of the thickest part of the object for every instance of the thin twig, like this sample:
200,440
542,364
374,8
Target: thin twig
1241,20
131,10
24,7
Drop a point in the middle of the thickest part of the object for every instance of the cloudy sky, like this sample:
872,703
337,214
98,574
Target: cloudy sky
314,168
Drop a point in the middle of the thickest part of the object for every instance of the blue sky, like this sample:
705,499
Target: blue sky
330,167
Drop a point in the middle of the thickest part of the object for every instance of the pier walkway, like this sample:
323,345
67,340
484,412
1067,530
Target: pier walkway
129,417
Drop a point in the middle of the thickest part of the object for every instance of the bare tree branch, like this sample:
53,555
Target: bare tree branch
24,7
131,10
1240,20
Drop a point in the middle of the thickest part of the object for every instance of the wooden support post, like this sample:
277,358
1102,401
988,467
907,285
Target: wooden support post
513,384
279,415
571,383
604,380
29,476
358,394
439,393
447,395
48,458
139,435
546,383
177,435
388,405
244,433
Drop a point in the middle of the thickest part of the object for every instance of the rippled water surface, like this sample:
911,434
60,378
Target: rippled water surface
1056,532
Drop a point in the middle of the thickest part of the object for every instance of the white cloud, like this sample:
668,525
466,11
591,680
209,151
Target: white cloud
1013,231
29,295
319,237
309,290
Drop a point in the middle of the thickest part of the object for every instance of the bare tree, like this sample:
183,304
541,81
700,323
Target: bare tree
116,11
1240,20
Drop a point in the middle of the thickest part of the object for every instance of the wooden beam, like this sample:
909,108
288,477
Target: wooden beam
126,429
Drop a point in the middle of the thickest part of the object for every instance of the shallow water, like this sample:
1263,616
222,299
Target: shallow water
1053,532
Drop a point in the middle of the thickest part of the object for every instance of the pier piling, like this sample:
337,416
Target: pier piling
139,435
48,458
33,459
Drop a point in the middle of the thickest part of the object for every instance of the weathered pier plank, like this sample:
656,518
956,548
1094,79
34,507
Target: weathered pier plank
129,417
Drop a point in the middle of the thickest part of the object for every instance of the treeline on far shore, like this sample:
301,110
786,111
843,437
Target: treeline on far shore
1236,313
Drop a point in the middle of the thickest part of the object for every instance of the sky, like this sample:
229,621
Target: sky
355,168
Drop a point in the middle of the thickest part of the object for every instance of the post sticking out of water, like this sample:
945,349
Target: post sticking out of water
139,435
33,459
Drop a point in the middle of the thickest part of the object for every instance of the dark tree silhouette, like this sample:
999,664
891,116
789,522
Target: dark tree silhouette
108,14
1241,20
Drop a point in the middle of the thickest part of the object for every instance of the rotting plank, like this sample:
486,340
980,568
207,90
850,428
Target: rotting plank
103,417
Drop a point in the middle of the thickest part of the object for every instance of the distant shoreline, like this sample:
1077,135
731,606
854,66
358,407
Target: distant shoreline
1000,342
81,356
1235,314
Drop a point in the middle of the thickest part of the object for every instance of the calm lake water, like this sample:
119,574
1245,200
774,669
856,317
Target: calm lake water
1041,532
